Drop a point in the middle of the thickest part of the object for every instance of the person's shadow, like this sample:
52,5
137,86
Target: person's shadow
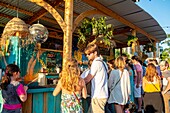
150,109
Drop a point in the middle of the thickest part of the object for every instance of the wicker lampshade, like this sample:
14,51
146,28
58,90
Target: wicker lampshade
14,27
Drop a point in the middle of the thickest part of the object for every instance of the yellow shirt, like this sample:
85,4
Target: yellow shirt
151,87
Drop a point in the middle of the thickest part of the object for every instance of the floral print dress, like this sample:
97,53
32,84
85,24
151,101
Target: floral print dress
69,103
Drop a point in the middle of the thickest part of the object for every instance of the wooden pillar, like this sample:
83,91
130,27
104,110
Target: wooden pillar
67,41
120,51
114,53
133,44
154,53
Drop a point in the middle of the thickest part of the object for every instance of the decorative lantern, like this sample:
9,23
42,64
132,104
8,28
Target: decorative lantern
15,28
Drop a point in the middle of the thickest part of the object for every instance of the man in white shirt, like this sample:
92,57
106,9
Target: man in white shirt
98,77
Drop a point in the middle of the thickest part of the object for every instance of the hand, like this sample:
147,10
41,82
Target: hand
25,88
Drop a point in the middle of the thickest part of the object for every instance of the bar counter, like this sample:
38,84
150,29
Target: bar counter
41,100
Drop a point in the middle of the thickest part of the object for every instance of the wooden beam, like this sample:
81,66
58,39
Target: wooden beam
62,9
67,40
15,8
42,12
113,14
83,15
6,16
24,12
53,12
31,13
54,36
119,31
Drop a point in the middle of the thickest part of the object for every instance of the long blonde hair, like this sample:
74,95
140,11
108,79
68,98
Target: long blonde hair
120,63
151,72
70,76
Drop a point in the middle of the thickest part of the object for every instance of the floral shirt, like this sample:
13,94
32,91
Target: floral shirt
69,103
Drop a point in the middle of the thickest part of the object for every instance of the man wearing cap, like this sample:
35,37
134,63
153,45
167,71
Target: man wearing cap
164,65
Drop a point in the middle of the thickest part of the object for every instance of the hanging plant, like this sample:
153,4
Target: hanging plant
131,39
93,31
149,48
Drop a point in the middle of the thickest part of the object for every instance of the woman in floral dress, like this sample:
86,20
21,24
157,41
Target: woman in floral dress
73,88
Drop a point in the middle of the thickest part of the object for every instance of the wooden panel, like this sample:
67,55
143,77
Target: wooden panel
58,103
50,103
27,106
37,103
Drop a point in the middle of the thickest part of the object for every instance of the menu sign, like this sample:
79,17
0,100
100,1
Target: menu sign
51,59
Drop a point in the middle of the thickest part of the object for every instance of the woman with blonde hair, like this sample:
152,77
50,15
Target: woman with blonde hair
119,85
153,102
73,88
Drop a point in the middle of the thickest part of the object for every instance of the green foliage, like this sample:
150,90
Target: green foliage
117,53
131,39
149,48
165,54
96,28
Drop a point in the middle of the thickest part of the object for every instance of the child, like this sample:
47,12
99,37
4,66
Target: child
13,92
73,88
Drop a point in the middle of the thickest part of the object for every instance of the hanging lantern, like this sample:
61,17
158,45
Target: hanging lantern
39,33
15,27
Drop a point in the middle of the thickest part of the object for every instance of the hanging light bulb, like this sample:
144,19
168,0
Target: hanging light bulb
17,34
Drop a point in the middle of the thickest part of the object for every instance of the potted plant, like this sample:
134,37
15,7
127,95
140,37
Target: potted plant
149,48
131,39
94,31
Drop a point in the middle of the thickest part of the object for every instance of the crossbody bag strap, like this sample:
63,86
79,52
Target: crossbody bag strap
118,80
155,86
76,97
105,70
103,65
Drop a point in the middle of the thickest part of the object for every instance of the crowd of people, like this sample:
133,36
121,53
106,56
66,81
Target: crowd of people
106,86
116,82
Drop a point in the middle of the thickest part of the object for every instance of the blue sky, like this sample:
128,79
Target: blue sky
159,10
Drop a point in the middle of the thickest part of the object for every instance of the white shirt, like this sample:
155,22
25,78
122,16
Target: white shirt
99,87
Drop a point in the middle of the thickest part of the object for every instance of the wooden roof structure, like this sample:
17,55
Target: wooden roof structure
124,15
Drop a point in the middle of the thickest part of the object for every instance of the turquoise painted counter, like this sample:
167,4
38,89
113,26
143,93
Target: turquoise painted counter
41,100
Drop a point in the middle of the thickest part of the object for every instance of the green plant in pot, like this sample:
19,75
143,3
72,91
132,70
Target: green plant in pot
93,31
149,48
131,39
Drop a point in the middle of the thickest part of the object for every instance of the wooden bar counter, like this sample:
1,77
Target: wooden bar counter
41,100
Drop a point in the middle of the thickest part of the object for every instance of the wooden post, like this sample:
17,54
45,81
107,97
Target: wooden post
121,51
133,44
67,41
154,53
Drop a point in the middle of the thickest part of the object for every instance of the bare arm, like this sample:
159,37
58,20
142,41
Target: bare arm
84,90
138,78
143,83
57,89
23,98
167,87
88,78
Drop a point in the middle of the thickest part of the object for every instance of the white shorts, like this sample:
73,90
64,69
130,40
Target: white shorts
137,91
